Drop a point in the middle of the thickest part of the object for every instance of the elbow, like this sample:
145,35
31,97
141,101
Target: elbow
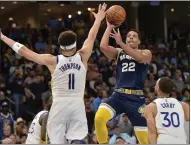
103,47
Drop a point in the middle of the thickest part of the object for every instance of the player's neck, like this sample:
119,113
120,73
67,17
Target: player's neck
162,95
68,53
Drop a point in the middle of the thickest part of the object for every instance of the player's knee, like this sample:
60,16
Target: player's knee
102,116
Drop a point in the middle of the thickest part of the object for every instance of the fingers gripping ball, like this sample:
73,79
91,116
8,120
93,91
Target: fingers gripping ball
116,15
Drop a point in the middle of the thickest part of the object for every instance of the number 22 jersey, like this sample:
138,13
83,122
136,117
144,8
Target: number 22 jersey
130,74
170,118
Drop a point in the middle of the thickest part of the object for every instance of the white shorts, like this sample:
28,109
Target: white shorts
67,118
167,139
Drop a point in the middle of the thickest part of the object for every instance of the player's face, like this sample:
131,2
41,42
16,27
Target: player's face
133,39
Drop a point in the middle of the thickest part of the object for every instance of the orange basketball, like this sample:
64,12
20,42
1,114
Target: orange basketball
116,15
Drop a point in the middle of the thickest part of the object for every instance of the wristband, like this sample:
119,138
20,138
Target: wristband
17,46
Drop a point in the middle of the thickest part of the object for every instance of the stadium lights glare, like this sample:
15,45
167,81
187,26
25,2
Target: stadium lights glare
14,25
14,2
49,10
79,12
61,5
89,9
172,9
10,19
69,16
2,7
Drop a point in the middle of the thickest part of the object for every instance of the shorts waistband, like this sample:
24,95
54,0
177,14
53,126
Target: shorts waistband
130,91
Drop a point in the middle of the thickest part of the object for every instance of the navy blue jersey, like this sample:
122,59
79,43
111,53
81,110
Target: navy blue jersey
130,74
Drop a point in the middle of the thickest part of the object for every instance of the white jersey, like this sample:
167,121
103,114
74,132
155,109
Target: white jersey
34,133
69,77
170,119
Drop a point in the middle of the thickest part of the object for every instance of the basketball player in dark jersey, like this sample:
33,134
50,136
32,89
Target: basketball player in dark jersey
131,72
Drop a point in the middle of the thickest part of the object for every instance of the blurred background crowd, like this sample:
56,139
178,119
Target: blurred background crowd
24,85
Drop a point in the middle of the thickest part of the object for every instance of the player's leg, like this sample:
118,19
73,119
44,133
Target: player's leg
135,109
56,125
77,127
107,111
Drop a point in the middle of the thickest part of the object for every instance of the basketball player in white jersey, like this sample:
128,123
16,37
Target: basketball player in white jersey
37,130
166,116
67,115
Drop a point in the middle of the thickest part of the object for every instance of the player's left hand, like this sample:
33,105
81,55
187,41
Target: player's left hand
117,36
101,12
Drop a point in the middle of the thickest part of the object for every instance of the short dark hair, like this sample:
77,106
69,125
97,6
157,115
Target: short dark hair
136,31
119,138
166,85
67,38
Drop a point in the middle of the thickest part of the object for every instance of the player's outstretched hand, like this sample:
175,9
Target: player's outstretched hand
117,36
101,12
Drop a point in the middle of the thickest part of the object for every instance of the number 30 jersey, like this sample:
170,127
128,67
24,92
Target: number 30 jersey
170,118
130,74
69,77
34,133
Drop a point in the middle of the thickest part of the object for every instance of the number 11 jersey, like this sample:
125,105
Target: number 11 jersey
69,77
170,118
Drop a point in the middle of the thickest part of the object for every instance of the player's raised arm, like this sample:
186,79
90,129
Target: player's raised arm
142,56
109,51
89,42
43,59
149,116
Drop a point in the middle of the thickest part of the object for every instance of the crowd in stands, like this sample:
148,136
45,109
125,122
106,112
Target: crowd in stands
24,85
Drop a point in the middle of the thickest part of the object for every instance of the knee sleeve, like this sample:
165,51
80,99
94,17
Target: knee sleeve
141,134
101,118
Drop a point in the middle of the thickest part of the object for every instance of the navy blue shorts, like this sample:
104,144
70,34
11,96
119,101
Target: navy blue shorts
132,105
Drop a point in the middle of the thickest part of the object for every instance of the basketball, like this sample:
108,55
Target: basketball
116,15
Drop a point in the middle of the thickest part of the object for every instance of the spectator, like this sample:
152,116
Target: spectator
40,45
6,131
186,95
151,81
23,138
16,84
120,140
13,139
125,125
19,128
97,101
177,80
124,136
7,141
6,119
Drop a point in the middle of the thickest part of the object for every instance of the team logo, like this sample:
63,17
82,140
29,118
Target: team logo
141,110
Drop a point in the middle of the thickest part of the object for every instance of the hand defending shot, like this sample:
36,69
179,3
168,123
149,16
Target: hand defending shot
101,12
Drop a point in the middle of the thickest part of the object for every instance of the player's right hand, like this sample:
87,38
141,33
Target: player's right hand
101,12
110,25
